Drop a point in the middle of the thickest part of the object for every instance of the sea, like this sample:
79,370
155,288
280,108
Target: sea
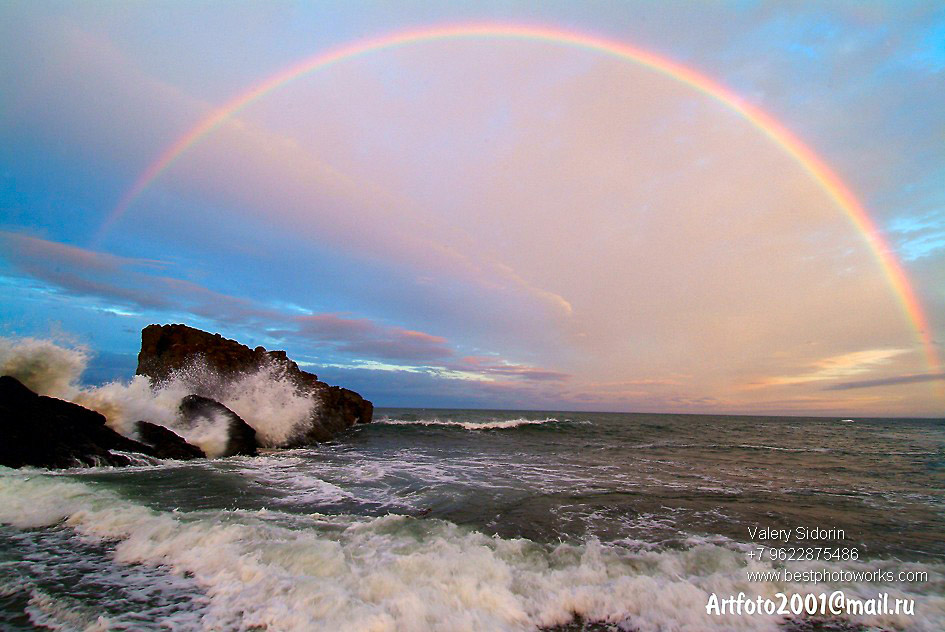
494,520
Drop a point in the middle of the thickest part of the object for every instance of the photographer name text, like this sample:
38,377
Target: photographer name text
795,534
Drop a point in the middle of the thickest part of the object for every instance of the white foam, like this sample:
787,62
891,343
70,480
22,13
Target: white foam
210,434
56,575
468,425
345,573
124,403
43,366
266,399
290,477
62,614
270,399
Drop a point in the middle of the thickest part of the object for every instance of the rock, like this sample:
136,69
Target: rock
47,432
241,437
166,443
166,349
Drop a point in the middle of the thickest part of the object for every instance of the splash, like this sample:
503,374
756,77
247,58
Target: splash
43,366
267,399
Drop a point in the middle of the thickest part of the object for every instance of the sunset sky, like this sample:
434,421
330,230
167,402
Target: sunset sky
489,220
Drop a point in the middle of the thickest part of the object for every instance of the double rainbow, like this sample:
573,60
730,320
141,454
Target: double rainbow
801,153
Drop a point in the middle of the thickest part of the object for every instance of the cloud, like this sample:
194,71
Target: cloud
126,284
887,381
620,385
407,388
495,371
836,367
122,282
81,271
363,337
920,234
483,190
496,367
256,172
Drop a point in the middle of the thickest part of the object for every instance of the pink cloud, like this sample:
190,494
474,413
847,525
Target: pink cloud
364,337
495,367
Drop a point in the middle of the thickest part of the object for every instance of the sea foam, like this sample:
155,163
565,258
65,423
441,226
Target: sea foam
298,572
495,424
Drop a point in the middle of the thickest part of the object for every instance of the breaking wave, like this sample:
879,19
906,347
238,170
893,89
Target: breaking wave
267,399
273,570
469,425
43,366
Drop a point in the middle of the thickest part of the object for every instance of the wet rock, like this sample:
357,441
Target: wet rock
166,443
240,436
41,431
167,349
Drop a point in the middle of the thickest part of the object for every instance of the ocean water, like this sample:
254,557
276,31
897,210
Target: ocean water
483,520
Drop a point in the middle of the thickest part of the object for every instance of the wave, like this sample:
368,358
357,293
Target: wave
469,425
44,366
290,475
55,580
267,399
275,570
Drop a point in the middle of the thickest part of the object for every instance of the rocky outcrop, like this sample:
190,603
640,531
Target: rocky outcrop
165,443
167,349
240,436
47,432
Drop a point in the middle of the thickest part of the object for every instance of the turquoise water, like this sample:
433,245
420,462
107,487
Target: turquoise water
481,520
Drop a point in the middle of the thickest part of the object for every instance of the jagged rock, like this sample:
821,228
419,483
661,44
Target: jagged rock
241,437
166,349
167,444
48,432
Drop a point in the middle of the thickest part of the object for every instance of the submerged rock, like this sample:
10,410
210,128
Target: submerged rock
169,349
240,436
166,443
41,431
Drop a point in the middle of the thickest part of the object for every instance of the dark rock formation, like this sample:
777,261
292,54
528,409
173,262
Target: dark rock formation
166,443
166,349
48,432
241,437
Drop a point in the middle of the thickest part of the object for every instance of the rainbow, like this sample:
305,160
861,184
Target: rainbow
793,146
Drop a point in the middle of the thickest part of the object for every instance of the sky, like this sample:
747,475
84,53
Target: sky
490,221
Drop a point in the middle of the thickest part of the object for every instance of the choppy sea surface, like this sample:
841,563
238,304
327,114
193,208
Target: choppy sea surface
483,520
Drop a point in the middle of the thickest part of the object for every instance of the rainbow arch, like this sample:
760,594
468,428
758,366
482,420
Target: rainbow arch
791,144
